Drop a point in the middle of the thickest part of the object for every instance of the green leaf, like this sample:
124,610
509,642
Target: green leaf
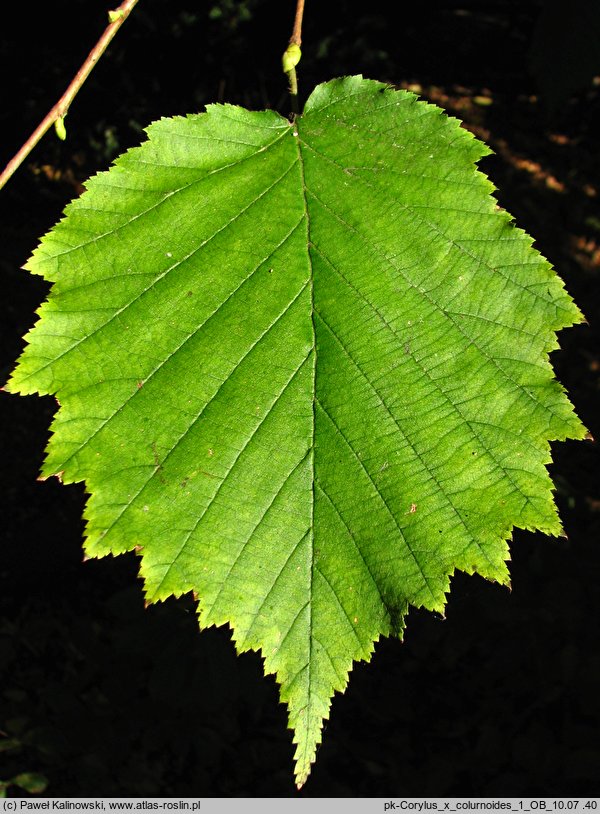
303,370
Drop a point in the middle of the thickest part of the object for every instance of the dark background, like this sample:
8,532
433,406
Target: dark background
102,697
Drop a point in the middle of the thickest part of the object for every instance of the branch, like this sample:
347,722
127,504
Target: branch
296,37
292,55
59,111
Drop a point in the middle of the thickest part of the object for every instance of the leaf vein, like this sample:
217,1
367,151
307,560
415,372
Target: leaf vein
380,495
162,276
213,397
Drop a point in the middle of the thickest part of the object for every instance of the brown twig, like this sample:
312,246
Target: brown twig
296,37
60,109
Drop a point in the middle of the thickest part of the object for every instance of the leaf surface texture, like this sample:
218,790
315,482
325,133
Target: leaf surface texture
303,370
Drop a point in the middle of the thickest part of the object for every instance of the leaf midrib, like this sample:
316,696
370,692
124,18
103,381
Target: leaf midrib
306,747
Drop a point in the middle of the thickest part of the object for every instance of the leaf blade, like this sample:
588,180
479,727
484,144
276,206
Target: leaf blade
272,350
